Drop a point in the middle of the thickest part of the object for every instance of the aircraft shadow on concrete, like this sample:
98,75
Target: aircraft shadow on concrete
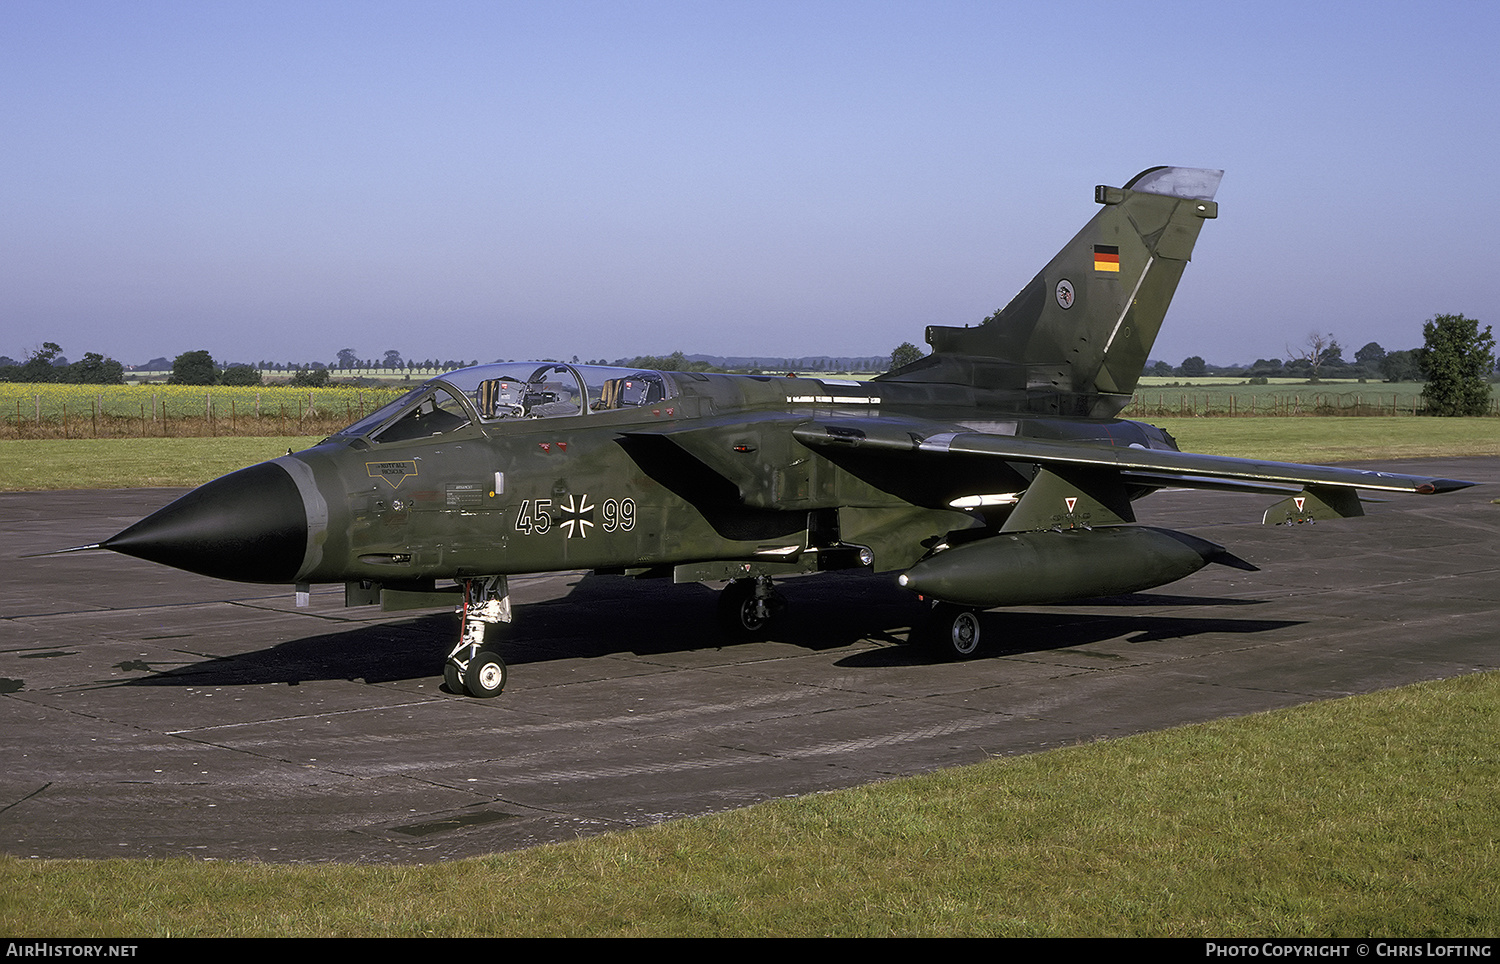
1017,632
596,620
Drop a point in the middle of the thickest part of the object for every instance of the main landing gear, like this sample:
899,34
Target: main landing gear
747,606
953,631
471,668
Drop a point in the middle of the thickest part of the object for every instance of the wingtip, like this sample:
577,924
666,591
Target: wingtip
1226,558
1434,486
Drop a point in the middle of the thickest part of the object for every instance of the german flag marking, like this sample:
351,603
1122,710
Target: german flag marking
1107,257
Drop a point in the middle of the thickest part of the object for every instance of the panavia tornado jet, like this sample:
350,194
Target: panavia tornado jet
992,472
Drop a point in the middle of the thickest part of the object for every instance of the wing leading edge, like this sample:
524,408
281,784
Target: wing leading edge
1159,467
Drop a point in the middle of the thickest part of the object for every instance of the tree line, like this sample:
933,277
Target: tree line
1457,361
47,364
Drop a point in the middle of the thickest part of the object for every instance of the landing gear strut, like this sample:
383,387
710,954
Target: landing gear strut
747,606
471,668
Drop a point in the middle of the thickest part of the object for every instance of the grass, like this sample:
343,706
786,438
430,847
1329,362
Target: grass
1333,439
1158,397
1369,815
37,464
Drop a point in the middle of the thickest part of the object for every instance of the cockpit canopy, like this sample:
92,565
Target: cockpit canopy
491,394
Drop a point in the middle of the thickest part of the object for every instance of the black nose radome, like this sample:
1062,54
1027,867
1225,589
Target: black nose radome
250,526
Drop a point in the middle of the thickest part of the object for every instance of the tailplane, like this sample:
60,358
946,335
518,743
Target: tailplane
1076,338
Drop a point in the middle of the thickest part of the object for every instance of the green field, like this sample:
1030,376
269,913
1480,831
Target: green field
132,463
1156,397
1335,439
1373,815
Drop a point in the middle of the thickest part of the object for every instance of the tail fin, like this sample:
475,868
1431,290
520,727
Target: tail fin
1075,339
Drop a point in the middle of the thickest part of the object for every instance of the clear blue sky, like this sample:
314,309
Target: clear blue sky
515,180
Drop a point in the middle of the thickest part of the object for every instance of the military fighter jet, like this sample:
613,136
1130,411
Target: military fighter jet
992,472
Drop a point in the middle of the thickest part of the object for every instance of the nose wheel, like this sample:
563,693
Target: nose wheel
482,675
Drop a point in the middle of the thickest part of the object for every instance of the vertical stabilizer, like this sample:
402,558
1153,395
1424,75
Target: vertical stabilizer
1075,339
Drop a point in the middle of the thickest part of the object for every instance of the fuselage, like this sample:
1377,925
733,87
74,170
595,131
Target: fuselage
536,467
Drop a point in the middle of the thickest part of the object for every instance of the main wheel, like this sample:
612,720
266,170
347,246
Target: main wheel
486,674
740,612
955,631
453,678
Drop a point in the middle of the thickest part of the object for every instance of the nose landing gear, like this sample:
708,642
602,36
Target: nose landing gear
471,668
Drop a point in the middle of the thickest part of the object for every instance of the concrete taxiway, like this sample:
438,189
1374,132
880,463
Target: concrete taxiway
152,713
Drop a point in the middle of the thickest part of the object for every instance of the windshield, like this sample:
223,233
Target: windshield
552,389
382,414
438,411
510,391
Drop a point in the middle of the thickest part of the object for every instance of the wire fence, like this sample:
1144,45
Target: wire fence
180,411
1199,402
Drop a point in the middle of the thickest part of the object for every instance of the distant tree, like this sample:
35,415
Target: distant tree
904,354
95,369
1316,352
194,368
1401,366
1456,359
1193,367
310,377
347,358
240,375
992,316
41,366
1161,369
1370,357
